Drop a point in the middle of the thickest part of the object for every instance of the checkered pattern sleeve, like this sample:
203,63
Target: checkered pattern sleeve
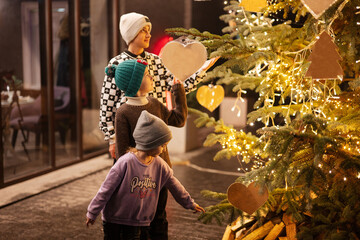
191,83
159,72
110,99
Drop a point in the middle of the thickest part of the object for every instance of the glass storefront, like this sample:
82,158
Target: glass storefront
51,76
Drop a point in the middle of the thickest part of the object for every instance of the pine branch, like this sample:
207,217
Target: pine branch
192,32
233,142
219,212
214,195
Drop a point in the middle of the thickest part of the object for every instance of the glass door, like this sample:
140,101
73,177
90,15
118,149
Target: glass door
24,105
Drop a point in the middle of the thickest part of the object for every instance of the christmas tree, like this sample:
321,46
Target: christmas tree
307,154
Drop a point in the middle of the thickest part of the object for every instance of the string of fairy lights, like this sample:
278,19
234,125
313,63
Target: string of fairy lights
285,80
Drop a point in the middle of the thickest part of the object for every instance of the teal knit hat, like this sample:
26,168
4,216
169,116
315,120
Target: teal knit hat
129,75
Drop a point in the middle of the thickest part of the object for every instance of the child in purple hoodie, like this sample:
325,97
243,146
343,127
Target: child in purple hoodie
128,197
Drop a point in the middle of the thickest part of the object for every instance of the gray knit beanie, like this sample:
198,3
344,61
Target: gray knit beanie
150,132
131,24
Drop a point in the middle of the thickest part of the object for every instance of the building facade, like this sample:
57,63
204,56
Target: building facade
52,69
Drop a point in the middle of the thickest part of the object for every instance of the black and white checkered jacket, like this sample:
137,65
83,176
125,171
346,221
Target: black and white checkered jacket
112,97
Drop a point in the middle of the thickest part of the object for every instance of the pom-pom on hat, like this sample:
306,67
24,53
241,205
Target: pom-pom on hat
131,24
129,75
150,132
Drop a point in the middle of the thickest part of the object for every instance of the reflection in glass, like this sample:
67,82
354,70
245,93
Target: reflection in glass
64,88
92,138
24,120
25,110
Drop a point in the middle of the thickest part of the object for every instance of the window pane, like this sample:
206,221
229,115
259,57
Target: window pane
64,87
94,53
25,110
23,99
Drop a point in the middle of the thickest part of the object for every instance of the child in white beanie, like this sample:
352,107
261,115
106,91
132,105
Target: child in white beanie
130,192
135,29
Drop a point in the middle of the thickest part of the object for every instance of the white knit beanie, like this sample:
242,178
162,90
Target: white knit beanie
131,24
150,132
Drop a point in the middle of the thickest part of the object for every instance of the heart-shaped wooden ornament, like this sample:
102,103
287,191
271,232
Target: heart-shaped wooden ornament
183,57
316,7
248,199
210,97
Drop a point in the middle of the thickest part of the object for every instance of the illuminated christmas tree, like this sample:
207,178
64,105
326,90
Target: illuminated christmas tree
307,155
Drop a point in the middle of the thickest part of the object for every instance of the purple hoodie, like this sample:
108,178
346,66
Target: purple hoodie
130,192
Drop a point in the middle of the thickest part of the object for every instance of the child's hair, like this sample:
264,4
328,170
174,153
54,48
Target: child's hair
150,132
132,150
128,75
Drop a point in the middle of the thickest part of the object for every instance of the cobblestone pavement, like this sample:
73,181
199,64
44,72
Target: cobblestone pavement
60,212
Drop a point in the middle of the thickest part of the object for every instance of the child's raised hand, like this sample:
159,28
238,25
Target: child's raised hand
176,80
89,221
198,209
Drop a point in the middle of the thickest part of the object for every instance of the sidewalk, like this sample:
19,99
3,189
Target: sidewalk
23,190
53,206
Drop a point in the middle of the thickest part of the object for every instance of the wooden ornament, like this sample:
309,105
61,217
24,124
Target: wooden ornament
248,199
324,59
183,57
210,97
317,7
253,5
